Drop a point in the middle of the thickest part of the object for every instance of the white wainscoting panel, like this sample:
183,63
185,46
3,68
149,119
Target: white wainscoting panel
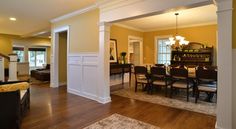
82,75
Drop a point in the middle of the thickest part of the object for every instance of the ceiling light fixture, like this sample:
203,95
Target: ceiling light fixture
12,18
177,40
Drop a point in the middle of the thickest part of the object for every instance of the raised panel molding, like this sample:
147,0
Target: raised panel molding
82,76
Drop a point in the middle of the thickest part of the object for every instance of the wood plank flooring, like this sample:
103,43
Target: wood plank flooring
54,108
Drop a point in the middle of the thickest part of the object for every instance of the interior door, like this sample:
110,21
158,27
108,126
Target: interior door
136,54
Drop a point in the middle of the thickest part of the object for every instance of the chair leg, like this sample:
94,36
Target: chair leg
197,96
166,91
171,91
136,85
187,94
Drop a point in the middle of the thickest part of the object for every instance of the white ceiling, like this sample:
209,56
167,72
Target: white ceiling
34,15
189,17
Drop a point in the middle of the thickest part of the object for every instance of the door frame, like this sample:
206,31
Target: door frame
140,40
55,54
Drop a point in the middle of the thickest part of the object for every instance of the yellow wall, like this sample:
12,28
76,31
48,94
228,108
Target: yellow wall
7,42
84,31
234,24
234,47
6,45
62,57
121,35
201,34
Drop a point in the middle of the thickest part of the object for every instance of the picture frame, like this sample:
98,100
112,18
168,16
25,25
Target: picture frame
113,51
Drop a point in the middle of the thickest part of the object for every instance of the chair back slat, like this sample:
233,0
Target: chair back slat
206,74
180,73
158,71
140,70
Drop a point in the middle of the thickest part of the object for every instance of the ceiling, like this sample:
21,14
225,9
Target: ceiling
189,17
33,16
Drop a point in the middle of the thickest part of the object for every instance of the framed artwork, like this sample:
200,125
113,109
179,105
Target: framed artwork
113,51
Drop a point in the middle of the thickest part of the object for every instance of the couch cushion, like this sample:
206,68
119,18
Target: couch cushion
14,87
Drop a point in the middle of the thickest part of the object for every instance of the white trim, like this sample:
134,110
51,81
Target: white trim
75,13
180,27
84,79
163,28
225,65
140,40
156,45
55,55
128,27
114,4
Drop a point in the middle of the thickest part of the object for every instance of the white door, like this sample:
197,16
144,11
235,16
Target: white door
136,54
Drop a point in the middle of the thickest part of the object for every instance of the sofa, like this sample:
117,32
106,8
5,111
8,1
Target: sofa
41,74
15,99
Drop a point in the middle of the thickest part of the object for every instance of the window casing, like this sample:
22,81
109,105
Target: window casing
20,53
164,51
37,57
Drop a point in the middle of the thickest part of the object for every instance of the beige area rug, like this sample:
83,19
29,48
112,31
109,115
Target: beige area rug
117,121
177,101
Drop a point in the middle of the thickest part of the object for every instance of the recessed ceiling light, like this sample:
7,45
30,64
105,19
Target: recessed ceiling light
12,18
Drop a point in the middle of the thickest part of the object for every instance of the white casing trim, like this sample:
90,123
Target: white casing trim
83,76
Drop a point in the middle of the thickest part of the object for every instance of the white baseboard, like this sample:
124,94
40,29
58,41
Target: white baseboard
217,127
89,96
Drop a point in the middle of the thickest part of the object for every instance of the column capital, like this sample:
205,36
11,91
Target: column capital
224,5
104,24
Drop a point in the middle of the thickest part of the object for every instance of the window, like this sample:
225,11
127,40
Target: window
37,57
164,51
20,53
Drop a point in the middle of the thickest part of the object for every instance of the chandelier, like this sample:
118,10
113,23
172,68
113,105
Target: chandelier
177,40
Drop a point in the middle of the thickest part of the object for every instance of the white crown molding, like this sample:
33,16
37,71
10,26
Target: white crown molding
128,27
164,28
113,4
75,13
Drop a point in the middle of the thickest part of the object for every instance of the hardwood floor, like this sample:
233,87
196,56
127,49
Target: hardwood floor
54,108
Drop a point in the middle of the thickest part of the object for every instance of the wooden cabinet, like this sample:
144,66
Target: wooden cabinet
121,69
191,56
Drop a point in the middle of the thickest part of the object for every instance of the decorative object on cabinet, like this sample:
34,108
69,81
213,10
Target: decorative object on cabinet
113,51
192,54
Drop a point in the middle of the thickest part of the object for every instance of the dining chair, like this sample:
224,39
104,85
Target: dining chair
140,76
158,78
180,80
206,82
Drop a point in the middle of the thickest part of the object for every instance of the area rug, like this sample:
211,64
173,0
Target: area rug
117,121
177,101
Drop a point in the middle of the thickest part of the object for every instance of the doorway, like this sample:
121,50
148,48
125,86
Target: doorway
224,20
62,59
135,50
59,62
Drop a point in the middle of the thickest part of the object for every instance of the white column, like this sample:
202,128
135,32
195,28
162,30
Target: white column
13,67
224,94
2,69
104,64
26,54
